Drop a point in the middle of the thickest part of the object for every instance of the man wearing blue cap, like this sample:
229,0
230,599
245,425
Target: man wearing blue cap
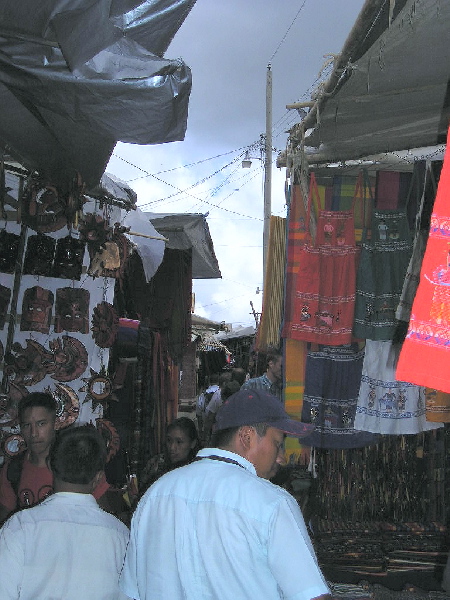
217,529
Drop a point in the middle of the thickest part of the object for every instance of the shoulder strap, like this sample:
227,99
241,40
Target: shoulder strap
14,471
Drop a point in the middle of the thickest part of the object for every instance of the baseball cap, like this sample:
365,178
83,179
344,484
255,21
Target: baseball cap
249,407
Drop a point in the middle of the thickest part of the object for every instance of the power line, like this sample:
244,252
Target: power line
194,164
288,30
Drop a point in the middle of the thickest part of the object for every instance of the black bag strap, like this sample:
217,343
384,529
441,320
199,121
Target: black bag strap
14,472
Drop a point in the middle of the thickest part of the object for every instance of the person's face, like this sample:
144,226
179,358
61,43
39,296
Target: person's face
276,368
178,445
266,453
38,430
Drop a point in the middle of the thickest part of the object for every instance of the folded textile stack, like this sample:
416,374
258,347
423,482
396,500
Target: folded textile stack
377,551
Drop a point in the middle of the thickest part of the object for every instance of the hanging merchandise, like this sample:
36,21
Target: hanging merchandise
36,310
43,207
437,405
9,249
425,354
68,263
294,350
346,193
332,382
268,333
105,324
325,286
110,436
385,254
297,237
13,445
5,296
411,281
39,255
385,404
98,388
67,405
29,365
72,310
65,360
70,358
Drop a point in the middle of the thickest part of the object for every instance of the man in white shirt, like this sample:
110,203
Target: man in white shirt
217,528
66,547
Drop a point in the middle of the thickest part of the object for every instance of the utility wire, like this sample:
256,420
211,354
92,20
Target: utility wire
288,30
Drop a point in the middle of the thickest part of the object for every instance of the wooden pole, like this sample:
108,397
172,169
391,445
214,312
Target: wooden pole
267,170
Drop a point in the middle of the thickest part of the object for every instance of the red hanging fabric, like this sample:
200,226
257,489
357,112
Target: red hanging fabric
326,278
297,236
425,354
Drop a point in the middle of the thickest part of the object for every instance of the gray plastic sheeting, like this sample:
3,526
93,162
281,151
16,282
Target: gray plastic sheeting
185,232
77,76
394,97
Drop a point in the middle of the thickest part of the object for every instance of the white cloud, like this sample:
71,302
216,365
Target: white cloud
228,44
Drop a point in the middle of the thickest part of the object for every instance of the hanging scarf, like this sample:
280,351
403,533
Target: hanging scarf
425,354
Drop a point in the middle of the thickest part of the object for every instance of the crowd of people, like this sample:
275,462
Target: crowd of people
207,522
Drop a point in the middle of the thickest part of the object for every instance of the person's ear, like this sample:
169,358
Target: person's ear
246,434
97,478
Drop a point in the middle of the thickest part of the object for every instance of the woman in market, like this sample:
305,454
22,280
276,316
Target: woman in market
182,444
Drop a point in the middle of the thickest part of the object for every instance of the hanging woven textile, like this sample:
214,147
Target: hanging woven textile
272,311
385,404
332,381
425,354
296,238
325,287
294,386
411,281
385,254
294,351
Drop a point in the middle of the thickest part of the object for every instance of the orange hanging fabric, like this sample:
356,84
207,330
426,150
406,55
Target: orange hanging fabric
425,354
326,278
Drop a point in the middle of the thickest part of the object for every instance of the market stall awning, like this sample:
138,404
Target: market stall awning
390,86
77,77
189,231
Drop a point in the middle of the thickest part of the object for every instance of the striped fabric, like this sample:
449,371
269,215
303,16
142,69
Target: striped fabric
272,313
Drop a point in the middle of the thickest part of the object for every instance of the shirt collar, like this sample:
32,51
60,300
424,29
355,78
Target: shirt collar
205,452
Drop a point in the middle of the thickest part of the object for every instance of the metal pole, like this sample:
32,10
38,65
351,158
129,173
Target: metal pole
267,170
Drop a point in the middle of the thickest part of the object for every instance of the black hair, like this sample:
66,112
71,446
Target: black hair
78,454
230,388
224,377
273,354
238,374
37,399
185,424
223,437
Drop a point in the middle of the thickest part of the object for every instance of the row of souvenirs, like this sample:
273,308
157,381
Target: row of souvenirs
47,257
71,313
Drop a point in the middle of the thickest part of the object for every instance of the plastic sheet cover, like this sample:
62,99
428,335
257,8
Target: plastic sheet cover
76,76
393,97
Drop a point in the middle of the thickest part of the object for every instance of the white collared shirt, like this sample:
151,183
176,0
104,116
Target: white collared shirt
65,548
215,530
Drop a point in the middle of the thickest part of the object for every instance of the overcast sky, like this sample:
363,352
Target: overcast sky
228,45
